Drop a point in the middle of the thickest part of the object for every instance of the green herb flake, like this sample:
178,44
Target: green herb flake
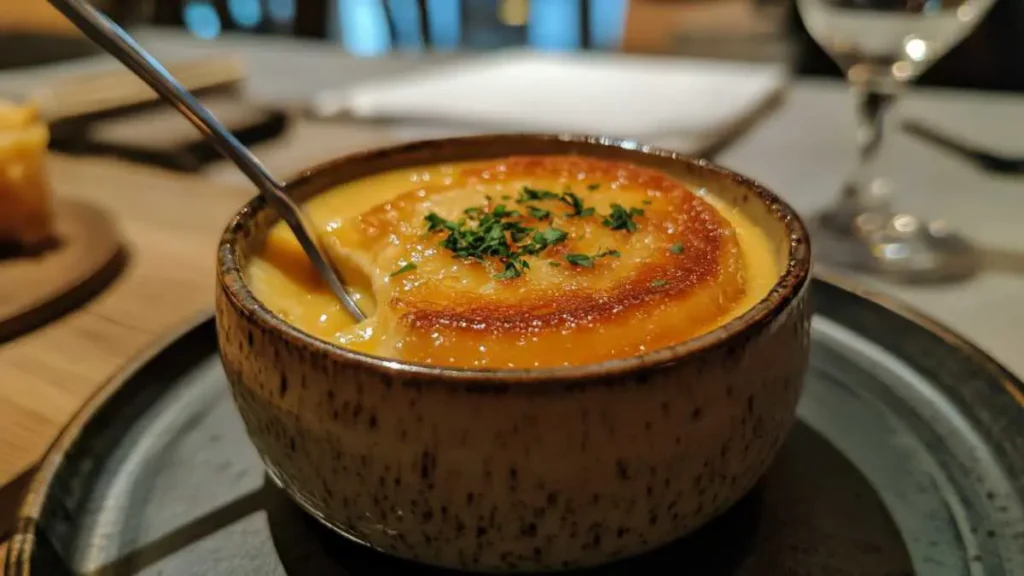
513,269
435,222
543,239
528,194
676,249
659,283
407,268
538,213
593,186
647,202
555,264
622,219
580,260
550,237
587,261
501,212
570,199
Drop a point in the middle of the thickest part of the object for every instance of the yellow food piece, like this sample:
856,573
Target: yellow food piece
25,199
691,265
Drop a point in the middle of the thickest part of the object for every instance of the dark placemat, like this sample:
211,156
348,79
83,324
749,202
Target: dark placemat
908,459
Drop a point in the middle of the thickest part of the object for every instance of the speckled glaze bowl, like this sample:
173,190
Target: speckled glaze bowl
518,470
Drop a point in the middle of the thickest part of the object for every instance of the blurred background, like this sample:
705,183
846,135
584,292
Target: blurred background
761,30
694,76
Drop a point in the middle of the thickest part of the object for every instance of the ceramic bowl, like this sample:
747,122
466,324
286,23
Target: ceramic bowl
518,470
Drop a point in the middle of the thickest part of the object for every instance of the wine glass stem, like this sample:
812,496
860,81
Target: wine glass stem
873,104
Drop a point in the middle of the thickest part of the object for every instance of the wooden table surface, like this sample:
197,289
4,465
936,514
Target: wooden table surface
170,224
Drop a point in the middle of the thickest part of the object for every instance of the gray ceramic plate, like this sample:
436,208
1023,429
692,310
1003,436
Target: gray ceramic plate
908,459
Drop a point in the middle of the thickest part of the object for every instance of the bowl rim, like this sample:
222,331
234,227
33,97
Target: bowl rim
791,283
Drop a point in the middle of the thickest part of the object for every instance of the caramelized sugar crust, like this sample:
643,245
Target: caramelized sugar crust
676,276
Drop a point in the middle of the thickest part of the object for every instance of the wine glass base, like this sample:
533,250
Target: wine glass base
897,246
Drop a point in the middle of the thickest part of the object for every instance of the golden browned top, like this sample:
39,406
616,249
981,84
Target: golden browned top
629,260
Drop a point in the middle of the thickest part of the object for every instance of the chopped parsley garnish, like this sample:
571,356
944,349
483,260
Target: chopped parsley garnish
622,219
555,264
514,268
528,194
676,249
587,261
659,283
584,260
435,222
538,213
500,211
407,268
499,232
496,234
545,238
647,202
576,203
569,198
482,236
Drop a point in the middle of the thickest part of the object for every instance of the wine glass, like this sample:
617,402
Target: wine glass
881,46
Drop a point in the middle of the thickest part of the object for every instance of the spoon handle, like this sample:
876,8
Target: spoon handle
112,38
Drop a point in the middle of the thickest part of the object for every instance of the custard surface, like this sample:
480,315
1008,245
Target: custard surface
619,260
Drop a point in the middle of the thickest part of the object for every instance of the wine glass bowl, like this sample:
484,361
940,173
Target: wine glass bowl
879,39
881,46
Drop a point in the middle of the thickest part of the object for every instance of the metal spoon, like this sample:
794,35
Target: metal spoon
112,38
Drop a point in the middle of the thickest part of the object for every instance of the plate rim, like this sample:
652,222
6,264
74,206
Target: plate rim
21,543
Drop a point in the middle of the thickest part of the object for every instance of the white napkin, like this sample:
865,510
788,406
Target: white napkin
678,102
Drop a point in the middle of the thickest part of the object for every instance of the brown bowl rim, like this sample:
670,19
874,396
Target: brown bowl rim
789,286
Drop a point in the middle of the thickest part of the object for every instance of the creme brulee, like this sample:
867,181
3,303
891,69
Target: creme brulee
525,261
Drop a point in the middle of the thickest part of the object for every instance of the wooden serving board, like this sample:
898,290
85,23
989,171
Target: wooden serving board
36,288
